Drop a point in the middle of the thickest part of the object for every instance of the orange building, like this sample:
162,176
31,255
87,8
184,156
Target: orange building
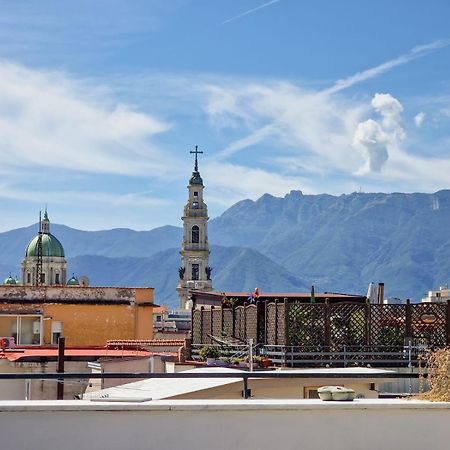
44,305
38,315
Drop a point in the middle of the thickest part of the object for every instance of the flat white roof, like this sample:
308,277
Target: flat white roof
158,388
161,388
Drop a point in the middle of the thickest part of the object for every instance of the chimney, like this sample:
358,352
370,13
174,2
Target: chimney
380,293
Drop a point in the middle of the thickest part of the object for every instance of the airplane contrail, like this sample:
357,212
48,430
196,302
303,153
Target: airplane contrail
416,52
264,5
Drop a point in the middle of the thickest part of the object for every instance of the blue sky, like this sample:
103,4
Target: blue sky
101,102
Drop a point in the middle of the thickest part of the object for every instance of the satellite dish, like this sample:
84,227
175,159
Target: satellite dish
84,281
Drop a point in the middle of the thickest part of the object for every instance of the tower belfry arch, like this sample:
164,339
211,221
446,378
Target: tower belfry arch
194,272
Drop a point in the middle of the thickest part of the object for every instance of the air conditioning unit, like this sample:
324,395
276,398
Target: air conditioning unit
7,342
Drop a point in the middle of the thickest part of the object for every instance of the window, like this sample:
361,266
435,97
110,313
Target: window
195,205
28,277
195,235
310,392
195,194
195,271
25,329
57,278
56,331
43,278
55,338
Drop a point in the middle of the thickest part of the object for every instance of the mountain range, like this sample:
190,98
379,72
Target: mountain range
338,243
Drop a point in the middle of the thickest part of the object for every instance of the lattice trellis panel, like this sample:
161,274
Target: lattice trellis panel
206,339
196,326
251,323
240,323
271,325
228,322
428,323
387,326
281,324
348,325
217,322
306,325
261,323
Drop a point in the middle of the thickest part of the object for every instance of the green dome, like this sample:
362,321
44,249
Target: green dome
73,281
10,280
50,246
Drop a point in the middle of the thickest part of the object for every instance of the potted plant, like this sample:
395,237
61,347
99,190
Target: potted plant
257,361
223,361
209,354
237,361
265,362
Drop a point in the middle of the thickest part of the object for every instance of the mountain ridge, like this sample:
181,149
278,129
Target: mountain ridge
338,243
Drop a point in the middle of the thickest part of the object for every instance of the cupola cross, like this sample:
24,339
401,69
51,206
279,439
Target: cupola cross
196,152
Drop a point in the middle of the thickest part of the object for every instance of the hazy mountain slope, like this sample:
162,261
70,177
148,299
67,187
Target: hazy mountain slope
342,243
234,269
336,243
116,243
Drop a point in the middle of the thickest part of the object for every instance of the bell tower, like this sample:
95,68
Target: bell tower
194,272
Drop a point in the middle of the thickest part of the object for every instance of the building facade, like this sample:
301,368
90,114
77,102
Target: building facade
46,306
442,295
194,272
39,315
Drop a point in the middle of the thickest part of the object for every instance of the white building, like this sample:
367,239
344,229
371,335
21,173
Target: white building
439,296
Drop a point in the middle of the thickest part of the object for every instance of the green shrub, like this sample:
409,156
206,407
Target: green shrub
208,351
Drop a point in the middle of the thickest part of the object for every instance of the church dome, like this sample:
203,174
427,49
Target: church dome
10,280
73,281
50,246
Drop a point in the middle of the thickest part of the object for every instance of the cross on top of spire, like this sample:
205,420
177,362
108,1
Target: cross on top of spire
196,152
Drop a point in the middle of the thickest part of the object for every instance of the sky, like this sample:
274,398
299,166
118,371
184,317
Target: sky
102,101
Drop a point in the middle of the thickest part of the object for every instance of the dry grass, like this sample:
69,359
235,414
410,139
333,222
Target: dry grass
438,365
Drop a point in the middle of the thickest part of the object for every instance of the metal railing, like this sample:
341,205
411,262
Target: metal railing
323,356
344,356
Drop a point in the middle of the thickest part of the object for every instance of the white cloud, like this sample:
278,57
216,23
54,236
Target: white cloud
306,124
82,198
231,183
50,120
374,139
390,110
315,135
416,52
419,118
